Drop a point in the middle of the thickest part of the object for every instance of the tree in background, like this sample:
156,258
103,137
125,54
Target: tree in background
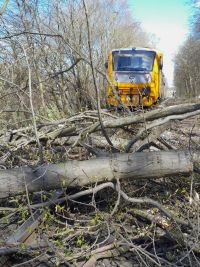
187,61
52,37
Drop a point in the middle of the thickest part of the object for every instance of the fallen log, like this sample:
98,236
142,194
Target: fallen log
152,115
81,173
80,127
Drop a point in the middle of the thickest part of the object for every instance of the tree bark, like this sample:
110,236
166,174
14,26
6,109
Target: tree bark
81,173
152,115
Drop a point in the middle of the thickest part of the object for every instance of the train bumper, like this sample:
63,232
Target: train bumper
133,97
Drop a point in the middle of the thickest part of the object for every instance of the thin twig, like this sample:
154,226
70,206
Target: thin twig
3,8
32,107
94,80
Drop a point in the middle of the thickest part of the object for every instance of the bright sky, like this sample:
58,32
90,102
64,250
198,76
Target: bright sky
169,21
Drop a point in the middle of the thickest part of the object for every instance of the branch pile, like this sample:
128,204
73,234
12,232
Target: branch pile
123,205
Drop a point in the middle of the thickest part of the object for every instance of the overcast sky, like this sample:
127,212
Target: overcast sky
169,21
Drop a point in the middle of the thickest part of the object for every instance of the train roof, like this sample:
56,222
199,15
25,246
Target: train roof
136,48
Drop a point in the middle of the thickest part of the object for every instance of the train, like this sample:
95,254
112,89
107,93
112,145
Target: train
135,77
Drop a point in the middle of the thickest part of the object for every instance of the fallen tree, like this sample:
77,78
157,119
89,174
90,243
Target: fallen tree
156,200
84,128
81,173
151,115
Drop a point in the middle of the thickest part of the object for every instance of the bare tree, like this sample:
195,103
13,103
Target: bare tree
55,38
187,66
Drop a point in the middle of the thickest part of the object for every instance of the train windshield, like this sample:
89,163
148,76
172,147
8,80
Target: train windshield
133,60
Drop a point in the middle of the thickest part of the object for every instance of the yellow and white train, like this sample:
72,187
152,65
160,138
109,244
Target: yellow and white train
136,77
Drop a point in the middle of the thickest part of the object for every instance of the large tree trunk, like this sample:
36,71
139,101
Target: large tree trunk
81,173
153,115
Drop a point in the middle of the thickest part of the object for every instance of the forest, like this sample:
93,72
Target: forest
81,184
186,75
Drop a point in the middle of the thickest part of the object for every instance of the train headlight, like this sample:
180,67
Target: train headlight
148,77
146,91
